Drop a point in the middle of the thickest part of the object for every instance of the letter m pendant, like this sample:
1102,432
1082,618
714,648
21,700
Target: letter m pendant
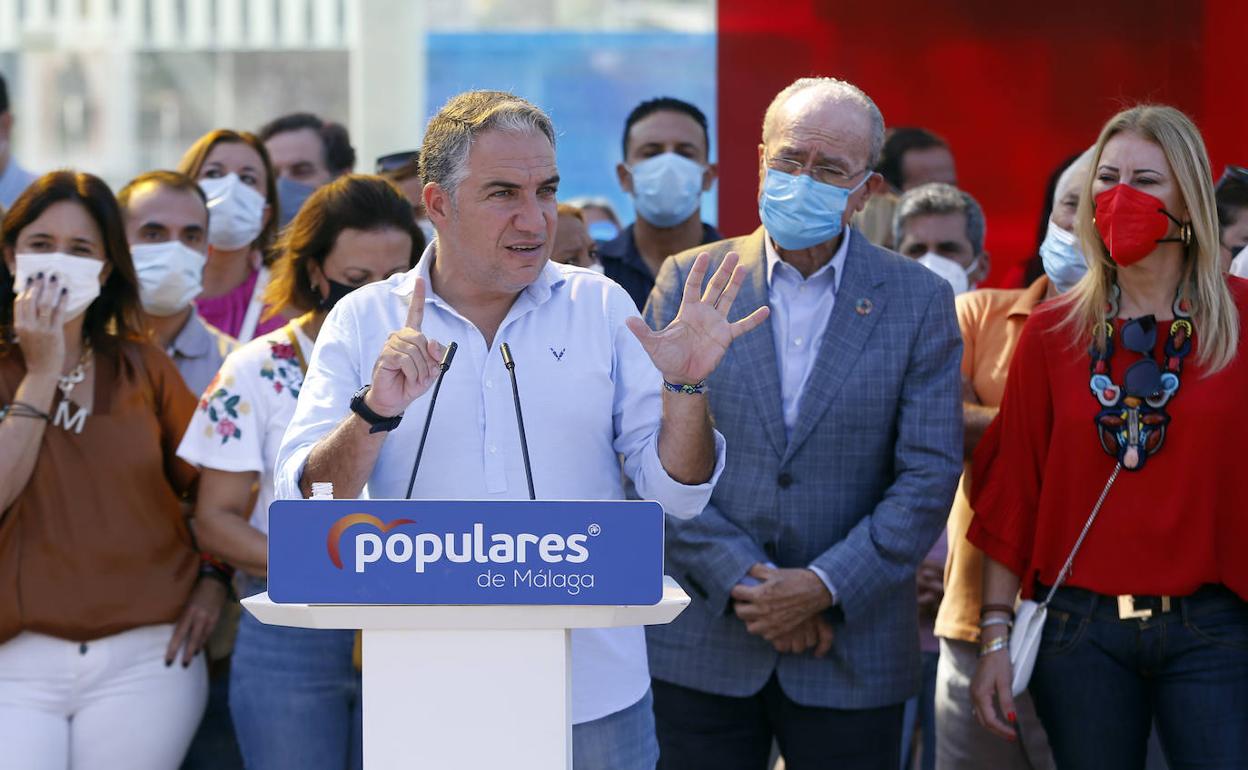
63,419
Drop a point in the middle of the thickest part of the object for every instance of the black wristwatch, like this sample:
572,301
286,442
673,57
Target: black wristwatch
379,424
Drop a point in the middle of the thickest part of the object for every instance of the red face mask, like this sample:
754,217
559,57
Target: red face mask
1131,223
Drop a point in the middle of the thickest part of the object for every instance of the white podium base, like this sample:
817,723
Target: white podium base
467,687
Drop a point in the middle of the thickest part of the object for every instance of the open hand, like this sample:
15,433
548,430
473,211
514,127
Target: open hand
692,345
38,320
408,364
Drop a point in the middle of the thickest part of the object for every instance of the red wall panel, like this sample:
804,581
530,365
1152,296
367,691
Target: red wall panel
1013,87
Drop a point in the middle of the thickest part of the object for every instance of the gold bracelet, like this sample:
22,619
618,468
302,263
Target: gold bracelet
988,648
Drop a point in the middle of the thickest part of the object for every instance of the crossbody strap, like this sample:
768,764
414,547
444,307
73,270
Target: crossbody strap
294,343
1065,573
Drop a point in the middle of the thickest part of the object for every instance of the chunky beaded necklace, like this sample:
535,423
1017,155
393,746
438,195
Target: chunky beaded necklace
1133,420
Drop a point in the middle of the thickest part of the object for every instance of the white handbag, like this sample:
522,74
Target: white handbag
1030,616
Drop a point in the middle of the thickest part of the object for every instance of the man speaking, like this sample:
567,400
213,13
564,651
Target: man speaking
594,380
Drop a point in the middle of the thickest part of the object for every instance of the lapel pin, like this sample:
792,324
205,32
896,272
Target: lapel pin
864,306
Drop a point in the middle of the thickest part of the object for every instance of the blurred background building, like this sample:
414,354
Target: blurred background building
116,87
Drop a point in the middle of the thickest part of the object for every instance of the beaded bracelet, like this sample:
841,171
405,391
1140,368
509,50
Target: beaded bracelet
689,390
988,648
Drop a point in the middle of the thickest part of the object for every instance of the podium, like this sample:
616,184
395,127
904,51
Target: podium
481,681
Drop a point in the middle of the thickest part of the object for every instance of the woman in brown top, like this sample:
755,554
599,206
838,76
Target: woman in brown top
96,563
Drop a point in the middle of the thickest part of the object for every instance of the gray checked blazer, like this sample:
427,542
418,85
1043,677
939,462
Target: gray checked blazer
861,489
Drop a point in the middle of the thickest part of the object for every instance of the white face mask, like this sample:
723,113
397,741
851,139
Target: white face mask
597,268
1062,258
667,188
170,274
79,276
235,212
957,276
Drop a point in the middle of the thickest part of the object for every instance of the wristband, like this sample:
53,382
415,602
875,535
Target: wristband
689,390
20,409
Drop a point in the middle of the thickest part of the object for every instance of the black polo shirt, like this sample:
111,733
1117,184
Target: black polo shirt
622,262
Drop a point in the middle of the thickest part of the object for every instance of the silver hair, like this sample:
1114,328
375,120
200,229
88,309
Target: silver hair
941,198
450,133
1081,165
836,90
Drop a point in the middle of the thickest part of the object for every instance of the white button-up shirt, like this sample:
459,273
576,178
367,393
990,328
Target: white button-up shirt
800,309
589,394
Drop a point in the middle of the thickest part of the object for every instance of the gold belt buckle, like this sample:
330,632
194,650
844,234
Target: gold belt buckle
1127,610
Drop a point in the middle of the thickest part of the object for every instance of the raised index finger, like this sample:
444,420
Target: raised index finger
416,308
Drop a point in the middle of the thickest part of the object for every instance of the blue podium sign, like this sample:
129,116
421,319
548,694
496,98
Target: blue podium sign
465,552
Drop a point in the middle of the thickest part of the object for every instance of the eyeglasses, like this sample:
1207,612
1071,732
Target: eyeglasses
1143,378
821,174
396,160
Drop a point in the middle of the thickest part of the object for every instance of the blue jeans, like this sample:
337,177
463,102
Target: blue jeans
295,698
1100,682
620,741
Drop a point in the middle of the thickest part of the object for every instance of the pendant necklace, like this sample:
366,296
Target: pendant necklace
62,418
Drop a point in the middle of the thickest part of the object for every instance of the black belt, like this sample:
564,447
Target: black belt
1210,597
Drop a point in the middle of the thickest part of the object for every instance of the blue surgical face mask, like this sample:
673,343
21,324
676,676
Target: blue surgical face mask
290,198
667,188
1063,259
603,230
799,212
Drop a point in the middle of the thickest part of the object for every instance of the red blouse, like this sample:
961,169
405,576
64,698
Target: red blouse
1177,523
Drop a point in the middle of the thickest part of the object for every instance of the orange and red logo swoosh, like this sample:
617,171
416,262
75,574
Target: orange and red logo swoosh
350,520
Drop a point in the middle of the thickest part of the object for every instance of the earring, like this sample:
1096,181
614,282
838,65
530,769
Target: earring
1185,233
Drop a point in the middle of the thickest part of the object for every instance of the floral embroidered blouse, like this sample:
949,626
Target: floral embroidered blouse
242,415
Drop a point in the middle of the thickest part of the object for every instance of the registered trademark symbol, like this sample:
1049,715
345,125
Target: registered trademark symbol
594,530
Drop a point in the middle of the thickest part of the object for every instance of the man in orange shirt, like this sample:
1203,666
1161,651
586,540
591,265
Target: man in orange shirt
991,321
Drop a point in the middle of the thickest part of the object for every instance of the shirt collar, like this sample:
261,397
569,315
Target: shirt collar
836,264
538,292
1031,296
194,340
624,246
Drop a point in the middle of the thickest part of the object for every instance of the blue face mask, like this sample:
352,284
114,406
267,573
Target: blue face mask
1063,259
799,212
667,188
290,198
603,230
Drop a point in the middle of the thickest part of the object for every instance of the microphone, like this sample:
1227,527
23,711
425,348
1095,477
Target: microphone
510,363
443,366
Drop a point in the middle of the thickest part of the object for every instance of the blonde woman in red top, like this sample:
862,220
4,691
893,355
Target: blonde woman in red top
1139,369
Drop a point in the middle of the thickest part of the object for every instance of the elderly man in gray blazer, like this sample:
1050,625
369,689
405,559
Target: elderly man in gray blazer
842,416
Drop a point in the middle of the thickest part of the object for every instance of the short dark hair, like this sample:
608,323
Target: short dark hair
665,104
4,94
114,316
350,202
174,180
1231,195
898,142
336,141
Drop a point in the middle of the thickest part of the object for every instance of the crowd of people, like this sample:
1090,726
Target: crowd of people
872,469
